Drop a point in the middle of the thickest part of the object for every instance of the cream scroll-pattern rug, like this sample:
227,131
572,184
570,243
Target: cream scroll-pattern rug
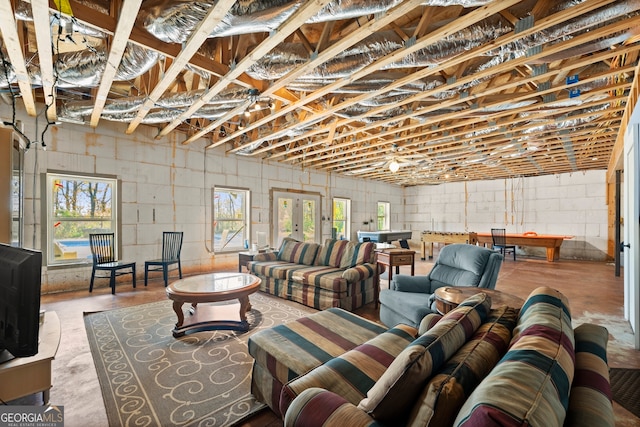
150,378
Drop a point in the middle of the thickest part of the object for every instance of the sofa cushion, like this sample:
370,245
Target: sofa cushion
298,252
391,398
590,398
319,276
445,393
353,373
274,269
530,385
331,252
358,253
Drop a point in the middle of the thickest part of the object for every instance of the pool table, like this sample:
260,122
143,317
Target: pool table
384,236
550,241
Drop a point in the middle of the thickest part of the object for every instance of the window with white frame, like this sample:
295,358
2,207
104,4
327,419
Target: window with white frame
384,211
342,218
78,205
230,219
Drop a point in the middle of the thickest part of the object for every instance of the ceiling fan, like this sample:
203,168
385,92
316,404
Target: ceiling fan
396,160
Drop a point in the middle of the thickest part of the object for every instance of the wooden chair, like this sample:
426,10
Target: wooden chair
104,258
498,235
171,247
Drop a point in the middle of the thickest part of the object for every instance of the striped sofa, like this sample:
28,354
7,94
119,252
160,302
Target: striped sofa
474,366
339,273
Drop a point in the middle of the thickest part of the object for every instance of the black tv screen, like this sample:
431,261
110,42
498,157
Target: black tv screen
20,281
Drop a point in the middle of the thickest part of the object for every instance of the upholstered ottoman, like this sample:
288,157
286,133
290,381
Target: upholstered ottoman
284,352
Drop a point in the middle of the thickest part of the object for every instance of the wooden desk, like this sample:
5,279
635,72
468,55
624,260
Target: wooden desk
550,241
445,237
449,297
23,376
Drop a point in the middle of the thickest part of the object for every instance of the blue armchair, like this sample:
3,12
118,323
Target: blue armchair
410,298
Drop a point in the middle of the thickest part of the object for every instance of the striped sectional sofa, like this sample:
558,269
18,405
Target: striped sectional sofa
474,366
339,273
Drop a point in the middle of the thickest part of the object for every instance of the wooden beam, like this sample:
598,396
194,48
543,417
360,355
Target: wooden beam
365,29
616,161
12,43
215,15
546,22
127,20
305,12
42,27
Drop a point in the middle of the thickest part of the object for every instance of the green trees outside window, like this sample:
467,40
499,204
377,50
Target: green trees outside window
77,205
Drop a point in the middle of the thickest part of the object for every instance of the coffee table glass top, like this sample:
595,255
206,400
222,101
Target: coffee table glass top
213,283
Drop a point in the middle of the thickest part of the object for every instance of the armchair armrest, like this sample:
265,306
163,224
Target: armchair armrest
405,283
315,406
359,272
266,256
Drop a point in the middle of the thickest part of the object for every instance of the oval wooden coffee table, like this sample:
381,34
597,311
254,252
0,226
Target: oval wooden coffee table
213,287
449,297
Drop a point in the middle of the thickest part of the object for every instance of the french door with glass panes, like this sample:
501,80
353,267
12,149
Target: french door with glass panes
296,215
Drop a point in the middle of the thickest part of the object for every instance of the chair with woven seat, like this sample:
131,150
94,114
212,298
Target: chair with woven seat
171,247
498,236
103,254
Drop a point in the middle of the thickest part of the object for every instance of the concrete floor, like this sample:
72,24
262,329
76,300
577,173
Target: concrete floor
595,295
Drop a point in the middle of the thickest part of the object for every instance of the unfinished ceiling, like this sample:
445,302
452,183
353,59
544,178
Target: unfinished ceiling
472,90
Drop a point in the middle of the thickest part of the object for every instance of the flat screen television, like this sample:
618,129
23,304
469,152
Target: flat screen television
20,281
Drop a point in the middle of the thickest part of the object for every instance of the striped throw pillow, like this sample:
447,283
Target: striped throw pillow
590,400
298,252
444,395
358,253
530,385
331,252
393,395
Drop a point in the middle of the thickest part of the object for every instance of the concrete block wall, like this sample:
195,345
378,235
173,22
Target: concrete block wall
166,186
567,204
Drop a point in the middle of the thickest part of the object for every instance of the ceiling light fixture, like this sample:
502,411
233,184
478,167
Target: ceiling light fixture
394,166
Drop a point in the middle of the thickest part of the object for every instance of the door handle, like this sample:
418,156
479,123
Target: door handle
622,246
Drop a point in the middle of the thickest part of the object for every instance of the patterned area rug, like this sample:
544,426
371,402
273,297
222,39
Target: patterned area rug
148,377
625,387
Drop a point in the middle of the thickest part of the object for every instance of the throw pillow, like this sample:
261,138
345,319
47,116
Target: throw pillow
357,253
331,252
389,400
445,393
530,385
297,252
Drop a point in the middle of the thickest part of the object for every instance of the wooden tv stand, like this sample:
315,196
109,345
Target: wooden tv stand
23,376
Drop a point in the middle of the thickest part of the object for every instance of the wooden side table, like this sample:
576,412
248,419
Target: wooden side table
392,258
449,297
244,258
23,376
395,258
